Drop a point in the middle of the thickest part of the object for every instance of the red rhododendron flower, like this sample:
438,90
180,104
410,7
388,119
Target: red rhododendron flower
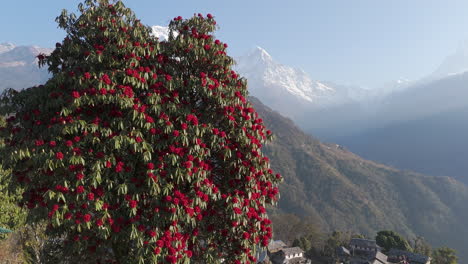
105,78
80,189
157,250
75,94
188,164
79,176
59,155
132,204
86,218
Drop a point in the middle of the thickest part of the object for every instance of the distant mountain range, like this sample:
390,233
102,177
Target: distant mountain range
418,125
424,128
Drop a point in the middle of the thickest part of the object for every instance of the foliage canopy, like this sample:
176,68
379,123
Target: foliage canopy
141,151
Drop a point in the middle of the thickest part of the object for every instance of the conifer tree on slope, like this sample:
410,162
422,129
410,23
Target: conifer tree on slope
140,151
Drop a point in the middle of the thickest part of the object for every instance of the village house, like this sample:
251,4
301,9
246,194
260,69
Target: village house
342,254
396,255
275,245
365,251
291,255
360,246
379,258
374,258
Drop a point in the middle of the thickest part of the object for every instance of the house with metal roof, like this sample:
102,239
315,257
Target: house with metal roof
396,255
360,246
276,245
379,258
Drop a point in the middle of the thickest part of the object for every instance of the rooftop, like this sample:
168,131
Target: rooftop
276,245
360,242
412,257
292,251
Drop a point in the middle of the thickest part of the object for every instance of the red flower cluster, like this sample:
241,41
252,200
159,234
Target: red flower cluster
59,155
105,78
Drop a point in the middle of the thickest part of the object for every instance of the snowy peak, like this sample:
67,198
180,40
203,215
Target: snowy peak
267,78
19,68
289,90
5,47
160,32
20,55
259,53
455,64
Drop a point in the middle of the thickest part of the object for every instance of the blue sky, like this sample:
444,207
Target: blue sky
359,42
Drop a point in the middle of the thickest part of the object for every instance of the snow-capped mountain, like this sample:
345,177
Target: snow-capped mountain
457,63
4,47
264,74
162,33
289,90
19,68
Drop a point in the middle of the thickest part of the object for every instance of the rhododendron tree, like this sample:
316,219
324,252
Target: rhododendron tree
141,151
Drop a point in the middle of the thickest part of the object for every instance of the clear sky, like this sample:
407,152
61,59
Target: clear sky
359,42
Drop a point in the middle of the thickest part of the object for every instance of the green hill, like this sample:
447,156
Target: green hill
345,192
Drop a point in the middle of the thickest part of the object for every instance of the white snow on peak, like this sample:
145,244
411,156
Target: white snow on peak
454,64
266,77
18,66
5,47
162,33
261,54
14,56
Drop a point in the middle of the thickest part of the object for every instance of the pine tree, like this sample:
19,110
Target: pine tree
141,151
